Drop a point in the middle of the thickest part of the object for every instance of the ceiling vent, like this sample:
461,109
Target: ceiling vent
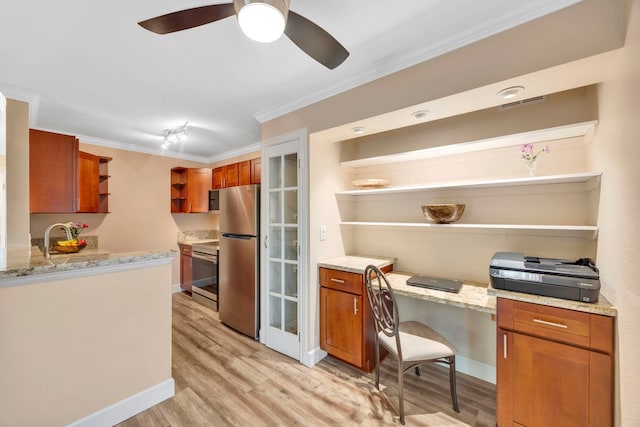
524,102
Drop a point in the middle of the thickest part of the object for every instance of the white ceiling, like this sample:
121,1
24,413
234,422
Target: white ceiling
89,70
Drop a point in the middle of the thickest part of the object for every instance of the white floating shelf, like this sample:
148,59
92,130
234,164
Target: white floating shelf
539,180
587,230
531,137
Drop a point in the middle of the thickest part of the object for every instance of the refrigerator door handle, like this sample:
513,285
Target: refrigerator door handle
266,238
237,236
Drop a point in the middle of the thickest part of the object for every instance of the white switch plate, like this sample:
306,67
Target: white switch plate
323,232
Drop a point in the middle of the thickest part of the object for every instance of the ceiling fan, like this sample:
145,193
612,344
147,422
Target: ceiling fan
254,16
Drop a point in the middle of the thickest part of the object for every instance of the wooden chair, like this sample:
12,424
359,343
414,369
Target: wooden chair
410,343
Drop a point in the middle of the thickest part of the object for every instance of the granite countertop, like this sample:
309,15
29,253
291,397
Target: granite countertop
472,295
355,263
29,262
475,296
603,306
191,242
193,237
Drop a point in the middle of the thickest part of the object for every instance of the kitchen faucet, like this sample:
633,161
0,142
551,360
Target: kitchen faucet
47,255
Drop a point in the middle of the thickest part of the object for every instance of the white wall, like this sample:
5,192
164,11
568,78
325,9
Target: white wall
616,151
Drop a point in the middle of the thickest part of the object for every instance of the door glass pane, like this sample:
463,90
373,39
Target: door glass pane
275,277
291,316
291,240
291,170
275,245
291,206
275,172
275,207
291,280
275,312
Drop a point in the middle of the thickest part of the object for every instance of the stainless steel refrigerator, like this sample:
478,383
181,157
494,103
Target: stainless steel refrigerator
238,262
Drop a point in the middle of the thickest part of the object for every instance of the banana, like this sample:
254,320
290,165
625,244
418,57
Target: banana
72,242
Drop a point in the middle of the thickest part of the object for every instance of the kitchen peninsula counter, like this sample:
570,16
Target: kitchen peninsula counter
28,266
92,328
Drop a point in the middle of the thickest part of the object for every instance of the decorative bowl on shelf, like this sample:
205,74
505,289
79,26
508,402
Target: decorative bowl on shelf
443,213
370,183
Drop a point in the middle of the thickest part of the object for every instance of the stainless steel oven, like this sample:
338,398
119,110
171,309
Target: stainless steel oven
205,274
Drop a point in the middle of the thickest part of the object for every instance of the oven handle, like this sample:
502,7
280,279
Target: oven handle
206,257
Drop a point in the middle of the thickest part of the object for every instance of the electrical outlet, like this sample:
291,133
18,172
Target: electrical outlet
323,232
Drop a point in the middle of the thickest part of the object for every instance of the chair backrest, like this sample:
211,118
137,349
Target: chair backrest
382,301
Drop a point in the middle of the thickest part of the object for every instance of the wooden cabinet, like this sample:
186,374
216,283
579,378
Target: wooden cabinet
256,170
185,267
226,176
53,171
244,173
190,190
64,179
347,331
554,366
240,173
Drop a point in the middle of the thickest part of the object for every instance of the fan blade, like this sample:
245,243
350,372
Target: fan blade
315,41
188,18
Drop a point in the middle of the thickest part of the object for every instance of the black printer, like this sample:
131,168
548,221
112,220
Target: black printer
559,278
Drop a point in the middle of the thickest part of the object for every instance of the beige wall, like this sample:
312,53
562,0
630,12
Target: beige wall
17,174
73,347
616,151
140,217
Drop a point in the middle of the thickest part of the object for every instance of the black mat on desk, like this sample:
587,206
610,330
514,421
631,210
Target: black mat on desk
446,285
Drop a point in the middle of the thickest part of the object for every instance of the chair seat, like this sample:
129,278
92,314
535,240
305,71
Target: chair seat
418,342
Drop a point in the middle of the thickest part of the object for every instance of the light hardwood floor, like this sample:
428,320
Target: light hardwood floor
226,379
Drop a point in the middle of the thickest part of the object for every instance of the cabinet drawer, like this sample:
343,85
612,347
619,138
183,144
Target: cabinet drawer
341,280
558,324
185,250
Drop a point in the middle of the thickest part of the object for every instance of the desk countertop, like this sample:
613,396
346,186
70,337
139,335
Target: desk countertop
475,296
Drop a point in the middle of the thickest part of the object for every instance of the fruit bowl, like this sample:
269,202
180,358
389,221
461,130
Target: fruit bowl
443,213
69,249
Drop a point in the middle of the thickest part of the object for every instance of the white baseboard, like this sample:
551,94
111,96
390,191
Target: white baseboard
311,358
476,369
176,288
128,407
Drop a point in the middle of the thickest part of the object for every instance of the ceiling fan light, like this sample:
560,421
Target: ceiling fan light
262,21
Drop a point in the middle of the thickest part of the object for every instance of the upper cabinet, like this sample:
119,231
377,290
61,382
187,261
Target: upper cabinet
63,179
53,170
241,173
190,190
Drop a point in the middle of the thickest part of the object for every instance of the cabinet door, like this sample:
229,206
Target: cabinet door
53,168
88,182
256,170
185,269
341,325
244,172
551,383
218,177
232,175
199,184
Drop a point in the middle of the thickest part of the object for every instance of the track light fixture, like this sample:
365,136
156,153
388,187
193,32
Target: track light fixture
175,135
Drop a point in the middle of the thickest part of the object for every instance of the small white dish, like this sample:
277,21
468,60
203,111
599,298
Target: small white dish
370,183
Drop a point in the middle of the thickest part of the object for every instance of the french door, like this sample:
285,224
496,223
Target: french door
283,234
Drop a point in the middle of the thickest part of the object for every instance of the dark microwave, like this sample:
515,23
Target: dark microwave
214,200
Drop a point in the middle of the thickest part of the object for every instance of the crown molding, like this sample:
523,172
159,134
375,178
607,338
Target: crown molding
484,25
234,153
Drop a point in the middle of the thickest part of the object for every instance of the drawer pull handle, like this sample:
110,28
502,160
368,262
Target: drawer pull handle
337,280
544,322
